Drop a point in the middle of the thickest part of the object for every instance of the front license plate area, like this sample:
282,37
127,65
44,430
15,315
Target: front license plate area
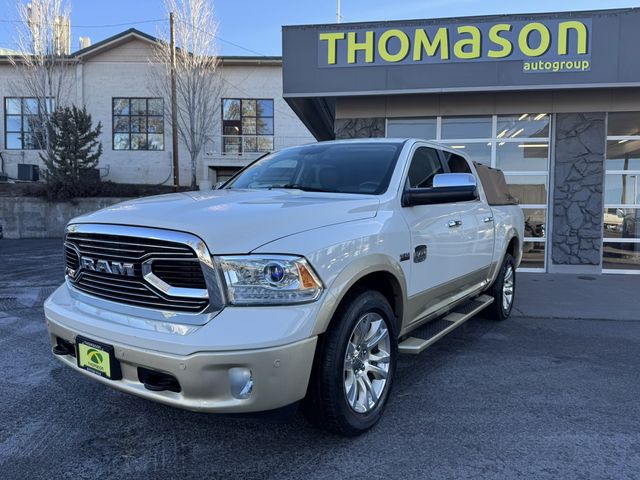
97,358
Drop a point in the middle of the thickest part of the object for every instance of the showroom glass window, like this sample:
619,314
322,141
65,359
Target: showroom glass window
247,125
23,123
138,123
518,144
621,242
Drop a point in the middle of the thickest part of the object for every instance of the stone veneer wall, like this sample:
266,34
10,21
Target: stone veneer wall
359,128
578,186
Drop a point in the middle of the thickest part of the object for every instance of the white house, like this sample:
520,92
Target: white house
112,80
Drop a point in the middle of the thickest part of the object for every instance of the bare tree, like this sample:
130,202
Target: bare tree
198,81
43,64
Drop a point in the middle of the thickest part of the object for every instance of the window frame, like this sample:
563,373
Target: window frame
22,116
242,136
129,116
418,146
607,206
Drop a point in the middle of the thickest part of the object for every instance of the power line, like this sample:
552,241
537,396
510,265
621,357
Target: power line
139,22
157,20
246,49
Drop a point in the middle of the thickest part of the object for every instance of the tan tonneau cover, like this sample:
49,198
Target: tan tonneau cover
495,186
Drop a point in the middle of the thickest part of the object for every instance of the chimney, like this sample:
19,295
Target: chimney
84,42
62,35
33,22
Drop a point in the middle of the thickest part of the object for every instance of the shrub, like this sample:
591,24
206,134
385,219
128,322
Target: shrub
73,154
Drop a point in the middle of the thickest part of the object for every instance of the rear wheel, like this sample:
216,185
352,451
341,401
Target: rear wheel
354,367
503,290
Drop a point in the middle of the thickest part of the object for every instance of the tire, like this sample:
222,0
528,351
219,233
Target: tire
502,304
349,386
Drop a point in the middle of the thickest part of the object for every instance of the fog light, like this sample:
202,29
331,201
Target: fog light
241,381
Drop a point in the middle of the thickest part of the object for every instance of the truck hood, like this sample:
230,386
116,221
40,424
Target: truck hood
238,221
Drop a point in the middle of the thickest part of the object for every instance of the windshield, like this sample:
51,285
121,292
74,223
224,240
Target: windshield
358,167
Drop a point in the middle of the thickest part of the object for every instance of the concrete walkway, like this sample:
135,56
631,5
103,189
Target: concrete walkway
602,297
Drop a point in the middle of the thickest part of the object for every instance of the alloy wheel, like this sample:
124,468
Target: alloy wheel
367,362
508,288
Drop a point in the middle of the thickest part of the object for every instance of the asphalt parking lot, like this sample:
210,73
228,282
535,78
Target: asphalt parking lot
553,397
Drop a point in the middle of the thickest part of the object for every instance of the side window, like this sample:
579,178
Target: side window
457,164
424,166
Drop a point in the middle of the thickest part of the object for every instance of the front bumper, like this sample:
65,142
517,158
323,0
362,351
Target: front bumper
276,344
280,374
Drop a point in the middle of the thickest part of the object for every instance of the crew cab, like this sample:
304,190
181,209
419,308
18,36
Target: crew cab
302,278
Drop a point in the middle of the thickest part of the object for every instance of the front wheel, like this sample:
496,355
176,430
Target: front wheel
354,368
503,290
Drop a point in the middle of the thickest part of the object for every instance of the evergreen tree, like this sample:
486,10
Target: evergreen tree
74,153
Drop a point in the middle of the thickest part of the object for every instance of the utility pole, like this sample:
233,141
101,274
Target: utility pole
174,106
338,16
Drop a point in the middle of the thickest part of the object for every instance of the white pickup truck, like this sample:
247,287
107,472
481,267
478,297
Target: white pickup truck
301,278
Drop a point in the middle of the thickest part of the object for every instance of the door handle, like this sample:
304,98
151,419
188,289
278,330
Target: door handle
487,219
455,223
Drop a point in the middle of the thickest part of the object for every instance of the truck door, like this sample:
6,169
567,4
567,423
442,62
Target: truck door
447,240
478,223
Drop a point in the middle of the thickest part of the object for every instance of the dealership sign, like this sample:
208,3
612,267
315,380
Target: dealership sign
550,45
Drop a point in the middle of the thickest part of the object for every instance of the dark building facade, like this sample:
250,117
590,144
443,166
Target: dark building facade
551,99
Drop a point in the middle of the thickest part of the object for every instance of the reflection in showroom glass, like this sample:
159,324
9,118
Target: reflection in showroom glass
623,155
526,125
535,222
466,127
523,157
528,189
623,124
423,128
622,189
622,223
533,255
621,256
479,152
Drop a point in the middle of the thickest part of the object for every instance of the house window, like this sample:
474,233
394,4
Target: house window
23,123
247,125
138,124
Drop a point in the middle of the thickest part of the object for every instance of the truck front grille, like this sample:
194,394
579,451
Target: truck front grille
112,267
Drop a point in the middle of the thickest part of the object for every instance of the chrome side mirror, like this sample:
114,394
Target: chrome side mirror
444,180
447,188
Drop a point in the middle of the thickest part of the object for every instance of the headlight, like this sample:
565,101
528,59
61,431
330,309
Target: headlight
269,280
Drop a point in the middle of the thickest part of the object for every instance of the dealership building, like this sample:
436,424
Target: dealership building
551,99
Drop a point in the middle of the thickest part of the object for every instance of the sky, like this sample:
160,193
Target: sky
253,27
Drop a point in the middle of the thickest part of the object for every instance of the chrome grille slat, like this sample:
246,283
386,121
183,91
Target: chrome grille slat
71,258
87,245
151,296
102,282
102,277
194,309
114,256
162,247
116,292
178,265
151,293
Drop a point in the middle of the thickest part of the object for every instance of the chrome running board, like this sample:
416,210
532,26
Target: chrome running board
438,328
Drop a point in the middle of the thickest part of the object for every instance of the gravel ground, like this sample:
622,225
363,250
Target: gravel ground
526,398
